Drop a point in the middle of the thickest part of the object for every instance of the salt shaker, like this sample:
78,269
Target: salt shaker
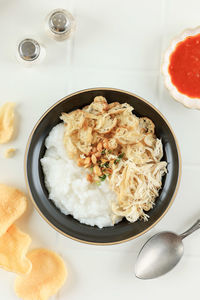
30,52
60,24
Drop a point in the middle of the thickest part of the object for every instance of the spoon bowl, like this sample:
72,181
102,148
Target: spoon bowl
161,253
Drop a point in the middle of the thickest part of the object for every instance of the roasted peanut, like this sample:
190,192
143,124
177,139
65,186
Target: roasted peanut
94,159
109,171
80,162
105,143
94,150
97,170
99,147
89,178
87,161
98,154
86,166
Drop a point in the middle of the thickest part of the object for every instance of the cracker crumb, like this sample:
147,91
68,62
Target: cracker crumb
6,122
9,153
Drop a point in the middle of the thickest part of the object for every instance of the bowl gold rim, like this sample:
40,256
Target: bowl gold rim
26,176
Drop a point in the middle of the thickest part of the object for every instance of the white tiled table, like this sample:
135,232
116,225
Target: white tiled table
117,44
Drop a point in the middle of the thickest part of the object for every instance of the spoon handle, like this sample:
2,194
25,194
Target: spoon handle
194,227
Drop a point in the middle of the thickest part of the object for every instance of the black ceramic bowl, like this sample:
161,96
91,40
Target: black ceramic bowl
67,225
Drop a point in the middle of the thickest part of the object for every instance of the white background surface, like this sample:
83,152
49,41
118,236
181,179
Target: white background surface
117,44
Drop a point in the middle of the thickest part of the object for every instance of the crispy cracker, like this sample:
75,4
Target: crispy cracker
13,247
6,122
47,276
12,205
147,125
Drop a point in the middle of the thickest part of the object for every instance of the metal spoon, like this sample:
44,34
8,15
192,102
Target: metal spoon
161,253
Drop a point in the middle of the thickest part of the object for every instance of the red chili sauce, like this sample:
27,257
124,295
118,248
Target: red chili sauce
184,67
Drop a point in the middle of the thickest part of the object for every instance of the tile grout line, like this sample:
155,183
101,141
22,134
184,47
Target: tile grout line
159,79
69,65
72,41
70,59
69,84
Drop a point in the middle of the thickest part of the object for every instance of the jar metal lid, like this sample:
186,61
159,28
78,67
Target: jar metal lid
29,49
59,22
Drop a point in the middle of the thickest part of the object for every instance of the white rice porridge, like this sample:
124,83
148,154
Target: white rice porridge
69,189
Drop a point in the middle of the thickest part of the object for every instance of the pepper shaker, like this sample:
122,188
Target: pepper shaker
60,24
30,52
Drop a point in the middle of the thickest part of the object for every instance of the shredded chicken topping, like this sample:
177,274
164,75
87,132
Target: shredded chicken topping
112,143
